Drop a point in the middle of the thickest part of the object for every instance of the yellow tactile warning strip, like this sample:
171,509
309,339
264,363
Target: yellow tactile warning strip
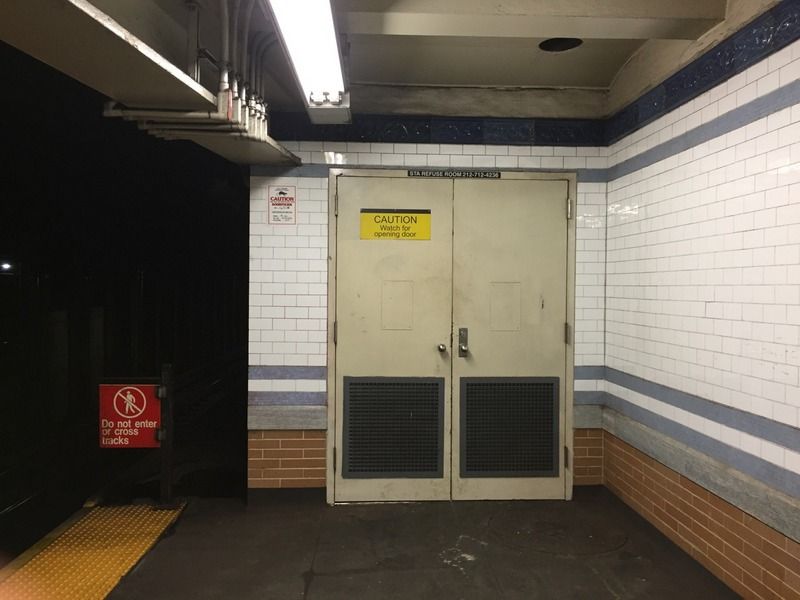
88,559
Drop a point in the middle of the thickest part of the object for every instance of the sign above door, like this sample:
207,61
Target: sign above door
454,174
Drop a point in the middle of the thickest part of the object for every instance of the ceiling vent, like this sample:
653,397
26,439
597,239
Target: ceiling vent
559,44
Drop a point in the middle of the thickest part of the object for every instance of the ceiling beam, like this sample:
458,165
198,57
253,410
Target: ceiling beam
691,9
613,19
478,102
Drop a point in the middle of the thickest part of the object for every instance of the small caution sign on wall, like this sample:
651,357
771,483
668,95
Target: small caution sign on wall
282,208
395,224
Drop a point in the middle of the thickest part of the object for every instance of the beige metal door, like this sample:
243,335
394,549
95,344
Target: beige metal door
416,416
393,311
510,311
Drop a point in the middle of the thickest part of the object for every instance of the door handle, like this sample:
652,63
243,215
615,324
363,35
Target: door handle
463,342
441,348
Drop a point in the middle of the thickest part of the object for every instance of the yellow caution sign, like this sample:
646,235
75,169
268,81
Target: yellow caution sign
395,224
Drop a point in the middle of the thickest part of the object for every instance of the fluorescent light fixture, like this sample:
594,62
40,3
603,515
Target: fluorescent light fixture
310,39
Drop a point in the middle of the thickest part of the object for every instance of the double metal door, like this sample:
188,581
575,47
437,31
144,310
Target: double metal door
449,369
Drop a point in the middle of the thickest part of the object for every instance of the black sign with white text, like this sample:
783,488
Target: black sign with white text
455,174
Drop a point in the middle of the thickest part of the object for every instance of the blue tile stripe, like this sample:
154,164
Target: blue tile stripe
287,398
442,130
761,427
761,107
774,29
764,471
590,398
590,372
286,372
772,475
755,425
784,97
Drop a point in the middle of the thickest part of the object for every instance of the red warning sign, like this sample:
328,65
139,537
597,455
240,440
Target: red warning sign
130,416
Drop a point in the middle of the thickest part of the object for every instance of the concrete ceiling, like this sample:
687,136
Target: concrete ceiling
484,61
413,52
430,57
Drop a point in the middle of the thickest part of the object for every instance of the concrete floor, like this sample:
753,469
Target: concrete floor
289,544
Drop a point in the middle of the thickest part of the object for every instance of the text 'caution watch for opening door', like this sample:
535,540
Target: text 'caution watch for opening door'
395,224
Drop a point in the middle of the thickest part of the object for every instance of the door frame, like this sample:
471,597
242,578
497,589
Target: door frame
334,456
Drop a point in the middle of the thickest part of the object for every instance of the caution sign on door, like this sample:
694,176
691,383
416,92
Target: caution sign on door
395,224
130,416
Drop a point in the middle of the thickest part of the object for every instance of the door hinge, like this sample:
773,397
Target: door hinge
569,208
567,333
566,457
336,204
334,459
335,332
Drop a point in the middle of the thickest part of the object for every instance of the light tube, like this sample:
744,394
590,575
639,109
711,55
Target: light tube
306,27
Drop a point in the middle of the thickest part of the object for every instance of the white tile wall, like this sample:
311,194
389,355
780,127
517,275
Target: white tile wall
703,262
288,266
288,278
704,273
590,259
687,274
286,385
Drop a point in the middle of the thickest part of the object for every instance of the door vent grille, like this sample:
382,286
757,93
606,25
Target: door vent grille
393,427
509,427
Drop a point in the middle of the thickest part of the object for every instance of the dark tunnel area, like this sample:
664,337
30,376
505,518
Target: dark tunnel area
122,253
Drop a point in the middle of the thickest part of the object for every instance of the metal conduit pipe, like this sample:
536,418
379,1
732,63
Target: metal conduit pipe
233,28
112,109
243,28
258,69
174,134
256,59
262,69
263,108
265,40
205,120
225,47
255,133
206,127
258,104
186,134
249,57
234,52
193,40
246,16
255,43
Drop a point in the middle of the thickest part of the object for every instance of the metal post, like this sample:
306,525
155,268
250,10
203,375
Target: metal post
167,434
